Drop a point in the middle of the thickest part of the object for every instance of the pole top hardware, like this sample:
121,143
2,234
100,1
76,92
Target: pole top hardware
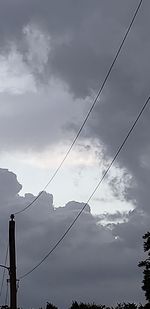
12,217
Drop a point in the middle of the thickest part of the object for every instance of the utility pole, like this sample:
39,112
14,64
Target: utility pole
12,269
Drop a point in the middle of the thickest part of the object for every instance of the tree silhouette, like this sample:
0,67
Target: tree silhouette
146,265
50,306
126,306
81,305
76,305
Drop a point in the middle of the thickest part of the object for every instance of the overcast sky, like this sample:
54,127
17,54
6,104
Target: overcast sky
54,56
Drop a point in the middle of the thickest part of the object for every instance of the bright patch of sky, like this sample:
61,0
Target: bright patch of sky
75,181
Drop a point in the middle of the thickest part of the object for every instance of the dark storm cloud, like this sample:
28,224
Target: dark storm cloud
84,35
126,92
84,39
93,263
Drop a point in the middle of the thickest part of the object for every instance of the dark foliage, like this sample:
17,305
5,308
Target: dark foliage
146,271
50,306
126,306
147,306
75,305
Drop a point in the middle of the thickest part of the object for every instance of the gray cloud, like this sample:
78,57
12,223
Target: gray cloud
83,40
37,121
84,36
91,264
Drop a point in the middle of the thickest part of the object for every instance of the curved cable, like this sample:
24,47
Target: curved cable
89,112
97,186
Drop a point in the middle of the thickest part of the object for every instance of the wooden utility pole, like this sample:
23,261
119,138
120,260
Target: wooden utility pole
12,269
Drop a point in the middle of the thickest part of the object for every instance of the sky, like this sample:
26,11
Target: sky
54,56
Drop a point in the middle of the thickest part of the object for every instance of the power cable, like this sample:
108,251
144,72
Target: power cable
97,186
6,296
4,271
89,112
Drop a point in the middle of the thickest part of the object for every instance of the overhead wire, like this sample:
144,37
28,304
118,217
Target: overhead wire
4,272
89,112
6,295
92,194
